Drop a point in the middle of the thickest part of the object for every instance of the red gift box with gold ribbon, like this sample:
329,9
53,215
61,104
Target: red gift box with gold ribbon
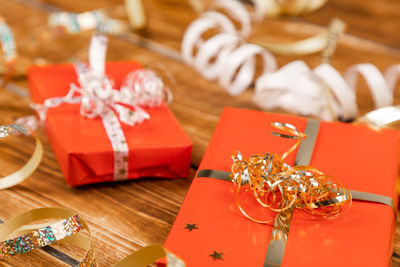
211,231
158,147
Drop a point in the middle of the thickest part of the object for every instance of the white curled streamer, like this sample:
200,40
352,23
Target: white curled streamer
291,88
259,10
192,37
237,11
215,47
244,56
98,99
344,96
296,88
391,76
235,61
375,80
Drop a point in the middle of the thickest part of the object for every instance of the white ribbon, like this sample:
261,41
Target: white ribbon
297,88
235,61
291,88
98,99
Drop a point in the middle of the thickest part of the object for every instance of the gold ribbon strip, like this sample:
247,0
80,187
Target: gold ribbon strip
67,230
277,243
136,14
274,8
387,117
310,45
29,167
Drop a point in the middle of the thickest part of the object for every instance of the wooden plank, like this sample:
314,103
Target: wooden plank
126,216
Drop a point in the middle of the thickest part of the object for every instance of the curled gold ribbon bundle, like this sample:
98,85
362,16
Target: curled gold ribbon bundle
282,188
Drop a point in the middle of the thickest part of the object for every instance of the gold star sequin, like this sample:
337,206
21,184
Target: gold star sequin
216,256
191,227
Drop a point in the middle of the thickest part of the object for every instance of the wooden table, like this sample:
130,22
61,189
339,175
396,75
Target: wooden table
126,216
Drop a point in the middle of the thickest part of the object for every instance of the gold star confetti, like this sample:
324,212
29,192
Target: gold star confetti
216,255
191,227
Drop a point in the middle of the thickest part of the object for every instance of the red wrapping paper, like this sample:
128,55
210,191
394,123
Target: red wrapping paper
158,147
361,158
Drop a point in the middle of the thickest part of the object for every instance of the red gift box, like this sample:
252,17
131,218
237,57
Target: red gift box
359,157
158,147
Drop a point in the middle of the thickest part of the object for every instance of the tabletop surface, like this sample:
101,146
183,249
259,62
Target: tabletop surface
128,215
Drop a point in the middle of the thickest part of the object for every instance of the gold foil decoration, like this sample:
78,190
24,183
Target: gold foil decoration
281,188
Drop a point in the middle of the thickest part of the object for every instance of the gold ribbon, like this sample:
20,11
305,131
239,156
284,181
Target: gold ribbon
274,8
319,42
136,14
387,117
68,230
30,166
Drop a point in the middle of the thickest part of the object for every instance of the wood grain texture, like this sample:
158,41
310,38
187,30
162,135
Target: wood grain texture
128,215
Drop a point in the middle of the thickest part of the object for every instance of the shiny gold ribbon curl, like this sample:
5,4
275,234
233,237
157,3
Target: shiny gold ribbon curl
30,166
282,188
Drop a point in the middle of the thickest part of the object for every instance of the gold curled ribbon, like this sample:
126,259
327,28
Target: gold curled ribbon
30,166
136,14
387,117
310,45
276,8
20,236
282,188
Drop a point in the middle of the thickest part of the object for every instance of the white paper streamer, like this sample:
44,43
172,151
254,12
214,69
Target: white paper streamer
234,65
342,88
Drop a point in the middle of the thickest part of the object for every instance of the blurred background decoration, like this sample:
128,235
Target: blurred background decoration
272,8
